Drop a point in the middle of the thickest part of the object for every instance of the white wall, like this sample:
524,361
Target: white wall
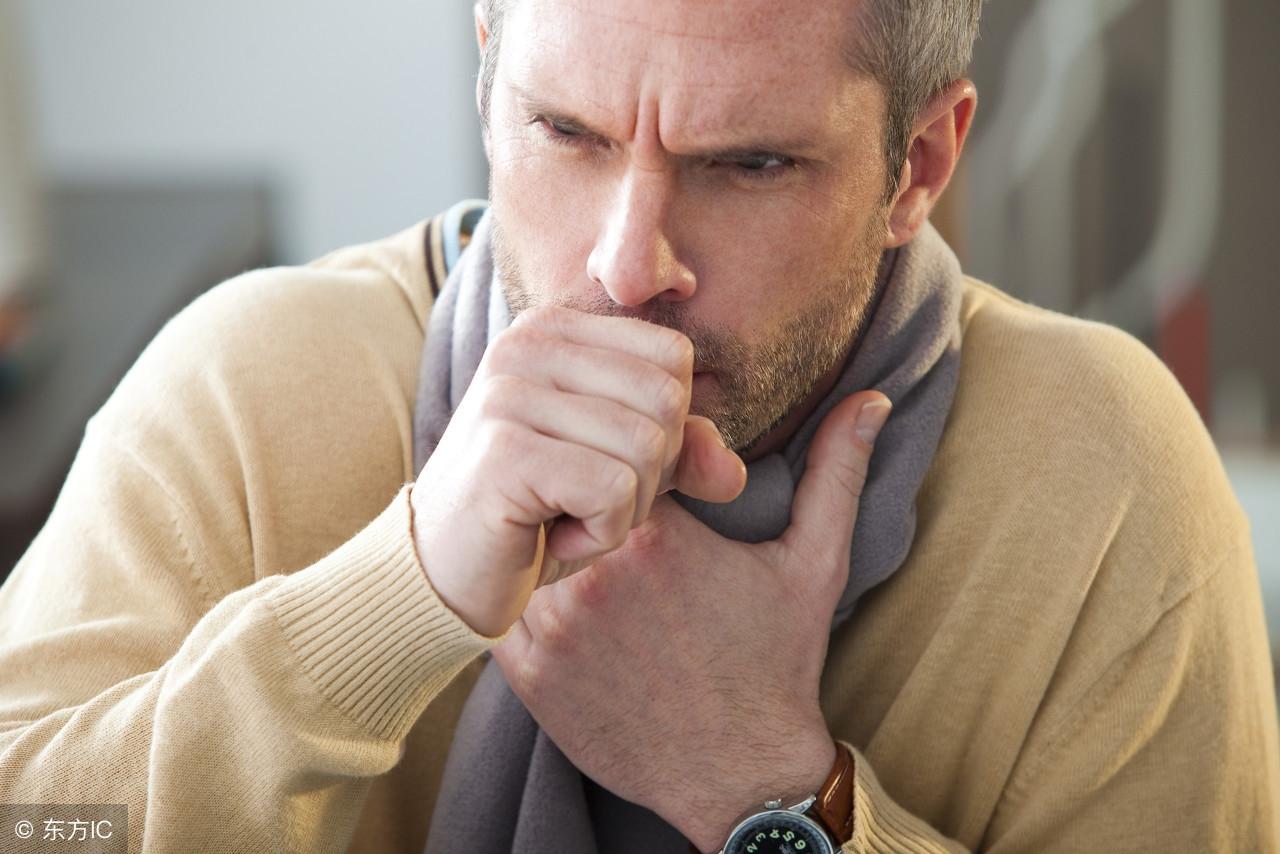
363,113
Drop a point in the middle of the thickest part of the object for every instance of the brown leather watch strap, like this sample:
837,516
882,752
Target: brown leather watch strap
834,807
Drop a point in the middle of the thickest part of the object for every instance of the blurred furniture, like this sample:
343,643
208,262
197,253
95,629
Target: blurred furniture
124,258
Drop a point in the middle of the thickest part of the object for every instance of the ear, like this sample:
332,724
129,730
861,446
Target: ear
482,39
482,26
937,138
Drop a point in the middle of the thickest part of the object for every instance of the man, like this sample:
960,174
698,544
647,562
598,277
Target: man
1029,621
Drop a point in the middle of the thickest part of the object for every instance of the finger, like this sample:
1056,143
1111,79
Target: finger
572,538
550,477
592,422
514,648
706,469
661,345
593,371
826,501
606,373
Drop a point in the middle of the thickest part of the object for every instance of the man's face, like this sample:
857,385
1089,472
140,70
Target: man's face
712,167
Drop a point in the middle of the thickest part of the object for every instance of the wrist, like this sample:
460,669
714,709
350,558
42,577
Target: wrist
489,608
801,768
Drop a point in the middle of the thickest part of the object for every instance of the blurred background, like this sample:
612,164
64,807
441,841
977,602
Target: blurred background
1121,168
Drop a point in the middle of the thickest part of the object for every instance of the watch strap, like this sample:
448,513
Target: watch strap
833,808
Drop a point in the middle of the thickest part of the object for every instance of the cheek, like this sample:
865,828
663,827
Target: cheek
549,230
524,182
748,274
764,250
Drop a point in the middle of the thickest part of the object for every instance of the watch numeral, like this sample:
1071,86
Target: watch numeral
800,845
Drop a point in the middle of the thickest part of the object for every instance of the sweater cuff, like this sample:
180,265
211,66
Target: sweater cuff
370,629
880,824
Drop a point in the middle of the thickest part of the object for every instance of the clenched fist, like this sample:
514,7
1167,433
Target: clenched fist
573,424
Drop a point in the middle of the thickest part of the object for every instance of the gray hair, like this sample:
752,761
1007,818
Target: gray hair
913,48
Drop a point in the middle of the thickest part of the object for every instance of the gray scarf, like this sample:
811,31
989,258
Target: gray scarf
506,786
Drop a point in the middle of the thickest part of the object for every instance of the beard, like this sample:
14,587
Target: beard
759,381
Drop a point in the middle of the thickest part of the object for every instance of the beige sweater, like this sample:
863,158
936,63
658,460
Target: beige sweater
224,624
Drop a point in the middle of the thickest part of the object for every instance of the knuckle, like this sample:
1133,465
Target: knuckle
499,394
521,318
669,398
498,438
852,474
617,534
847,481
545,316
555,631
525,678
620,498
621,483
531,316
503,354
590,587
646,541
650,440
678,349
515,345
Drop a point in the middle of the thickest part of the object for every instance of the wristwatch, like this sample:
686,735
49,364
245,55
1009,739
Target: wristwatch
820,824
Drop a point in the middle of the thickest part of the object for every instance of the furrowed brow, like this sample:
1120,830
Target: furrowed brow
749,145
542,107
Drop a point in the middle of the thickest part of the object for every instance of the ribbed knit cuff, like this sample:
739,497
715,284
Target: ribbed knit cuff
369,628
880,824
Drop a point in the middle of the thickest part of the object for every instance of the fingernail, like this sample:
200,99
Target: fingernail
872,417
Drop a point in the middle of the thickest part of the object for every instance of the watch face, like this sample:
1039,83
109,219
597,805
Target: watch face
778,832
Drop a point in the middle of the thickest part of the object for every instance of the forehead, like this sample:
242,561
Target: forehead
707,66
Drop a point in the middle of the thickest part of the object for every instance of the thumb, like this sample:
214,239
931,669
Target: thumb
826,501
707,469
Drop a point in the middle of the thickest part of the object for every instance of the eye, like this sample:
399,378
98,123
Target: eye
762,166
560,133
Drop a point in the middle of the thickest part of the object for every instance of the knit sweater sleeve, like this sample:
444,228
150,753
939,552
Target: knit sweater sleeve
147,658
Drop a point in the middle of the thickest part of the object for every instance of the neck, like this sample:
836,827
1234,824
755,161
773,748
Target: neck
776,438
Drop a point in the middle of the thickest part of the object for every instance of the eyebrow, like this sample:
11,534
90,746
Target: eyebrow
799,147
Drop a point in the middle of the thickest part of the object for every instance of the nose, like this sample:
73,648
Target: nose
633,258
